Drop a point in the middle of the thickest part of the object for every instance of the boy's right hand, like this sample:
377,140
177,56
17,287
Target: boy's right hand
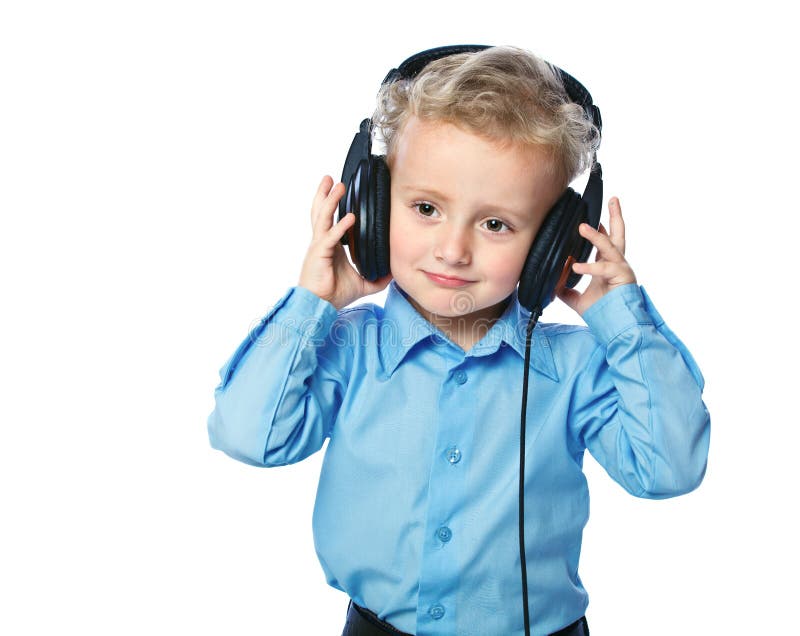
326,270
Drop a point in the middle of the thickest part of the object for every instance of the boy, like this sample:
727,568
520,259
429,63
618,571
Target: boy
416,510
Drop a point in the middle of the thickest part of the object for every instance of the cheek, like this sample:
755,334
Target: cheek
402,235
394,233
399,244
506,265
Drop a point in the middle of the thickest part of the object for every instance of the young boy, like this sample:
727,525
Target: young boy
416,510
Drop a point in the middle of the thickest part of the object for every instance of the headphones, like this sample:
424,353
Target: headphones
557,245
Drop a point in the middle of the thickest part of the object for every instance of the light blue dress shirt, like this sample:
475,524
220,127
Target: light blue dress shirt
416,509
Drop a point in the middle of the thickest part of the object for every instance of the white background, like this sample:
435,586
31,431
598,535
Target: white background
157,165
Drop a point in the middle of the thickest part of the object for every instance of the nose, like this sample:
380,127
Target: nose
453,245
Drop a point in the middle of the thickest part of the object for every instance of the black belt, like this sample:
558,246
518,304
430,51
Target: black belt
362,622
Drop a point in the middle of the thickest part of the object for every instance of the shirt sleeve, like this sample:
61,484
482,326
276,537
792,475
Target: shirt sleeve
278,398
639,409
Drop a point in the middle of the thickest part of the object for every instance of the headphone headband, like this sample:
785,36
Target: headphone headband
414,64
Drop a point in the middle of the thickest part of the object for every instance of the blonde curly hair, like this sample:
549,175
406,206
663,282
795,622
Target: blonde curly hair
503,93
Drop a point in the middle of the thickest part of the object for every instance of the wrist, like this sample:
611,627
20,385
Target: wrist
313,290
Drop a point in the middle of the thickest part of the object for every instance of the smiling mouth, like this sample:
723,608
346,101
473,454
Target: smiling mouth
448,281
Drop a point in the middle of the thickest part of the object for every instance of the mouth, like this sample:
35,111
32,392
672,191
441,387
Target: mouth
448,281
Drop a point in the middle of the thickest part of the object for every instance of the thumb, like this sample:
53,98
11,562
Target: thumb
569,297
377,285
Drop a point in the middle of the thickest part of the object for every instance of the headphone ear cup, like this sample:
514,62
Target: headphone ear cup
355,200
548,255
368,197
380,244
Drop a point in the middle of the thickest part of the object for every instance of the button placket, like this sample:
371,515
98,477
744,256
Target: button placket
439,572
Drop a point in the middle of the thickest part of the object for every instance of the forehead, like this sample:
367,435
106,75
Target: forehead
454,162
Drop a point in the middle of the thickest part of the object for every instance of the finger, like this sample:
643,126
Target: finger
326,190
377,285
598,268
319,197
334,235
617,224
597,255
601,240
323,189
324,210
569,296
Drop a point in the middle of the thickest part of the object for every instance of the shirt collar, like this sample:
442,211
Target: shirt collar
410,328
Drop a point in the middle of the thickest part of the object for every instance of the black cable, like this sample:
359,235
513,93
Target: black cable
531,324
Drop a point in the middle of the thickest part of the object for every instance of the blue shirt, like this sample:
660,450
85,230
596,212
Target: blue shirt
416,509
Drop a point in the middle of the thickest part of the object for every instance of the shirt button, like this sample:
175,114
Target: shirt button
453,455
436,611
445,534
460,376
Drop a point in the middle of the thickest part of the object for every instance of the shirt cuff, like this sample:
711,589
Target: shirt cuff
620,309
304,312
299,311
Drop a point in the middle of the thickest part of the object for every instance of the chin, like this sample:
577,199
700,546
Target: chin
453,303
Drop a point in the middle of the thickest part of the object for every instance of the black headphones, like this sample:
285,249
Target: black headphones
557,244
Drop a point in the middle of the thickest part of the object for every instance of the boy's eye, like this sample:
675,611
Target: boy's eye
495,225
425,209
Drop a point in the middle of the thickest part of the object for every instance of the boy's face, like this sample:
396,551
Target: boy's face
463,207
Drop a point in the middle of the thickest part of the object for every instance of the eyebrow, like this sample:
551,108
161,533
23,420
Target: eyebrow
492,206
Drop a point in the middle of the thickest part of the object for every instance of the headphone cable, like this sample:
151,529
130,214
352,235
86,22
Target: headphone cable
529,331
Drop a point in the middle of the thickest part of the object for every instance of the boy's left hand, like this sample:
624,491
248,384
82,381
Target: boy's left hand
609,270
